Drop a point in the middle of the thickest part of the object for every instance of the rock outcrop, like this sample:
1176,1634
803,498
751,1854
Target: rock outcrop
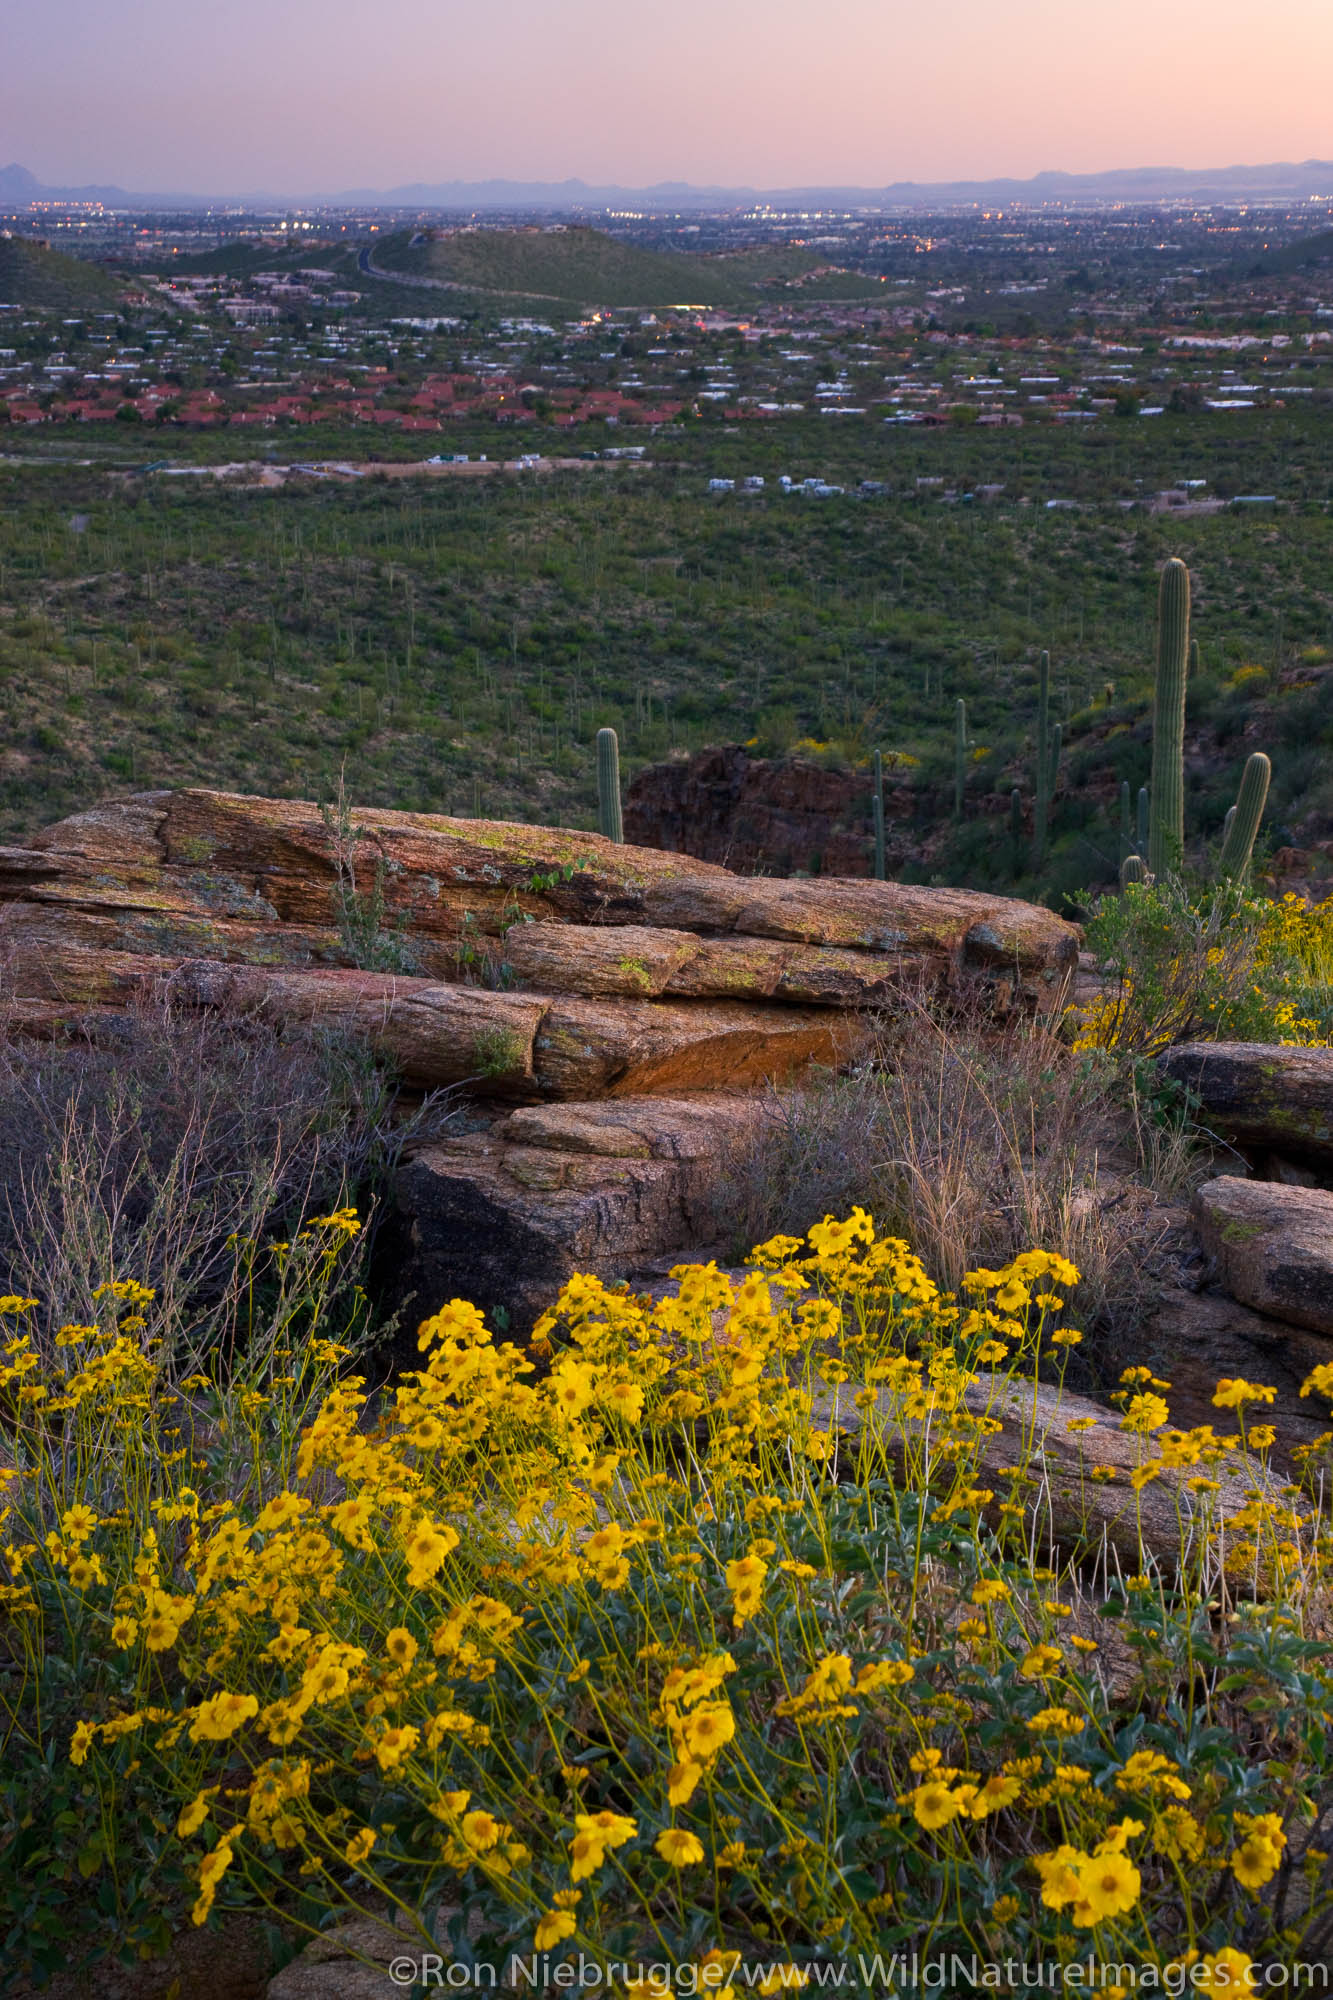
210,875
506,1215
1080,1465
1274,1103
629,998
1195,1338
537,1045
1273,1247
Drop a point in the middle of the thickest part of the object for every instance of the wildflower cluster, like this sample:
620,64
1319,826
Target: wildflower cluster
699,1624
1220,965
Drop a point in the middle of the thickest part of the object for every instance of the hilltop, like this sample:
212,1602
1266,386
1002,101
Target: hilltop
579,266
1297,256
33,276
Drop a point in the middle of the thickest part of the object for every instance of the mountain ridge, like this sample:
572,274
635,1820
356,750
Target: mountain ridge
1289,180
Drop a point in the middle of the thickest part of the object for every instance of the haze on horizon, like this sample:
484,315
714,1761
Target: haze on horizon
307,96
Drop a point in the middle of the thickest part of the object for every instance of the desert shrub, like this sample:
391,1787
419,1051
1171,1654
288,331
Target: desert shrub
971,1142
700,1642
169,1143
1217,964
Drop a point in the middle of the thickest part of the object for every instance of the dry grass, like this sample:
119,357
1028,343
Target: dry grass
974,1143
166,1146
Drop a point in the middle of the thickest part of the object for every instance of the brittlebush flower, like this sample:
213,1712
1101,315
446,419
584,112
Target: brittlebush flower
211,1871
879,1674
1226,1971
595,1834
708,1729
1259,1855
678,1848
196,1813
481,1830
682,1782
221,1716
745,1580
395,1744
400,1646
934,1805
1108,1885
553,1927
990,1591
998,1791
427,1547
1233,1392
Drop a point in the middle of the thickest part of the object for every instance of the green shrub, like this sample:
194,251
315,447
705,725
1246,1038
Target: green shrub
1217,964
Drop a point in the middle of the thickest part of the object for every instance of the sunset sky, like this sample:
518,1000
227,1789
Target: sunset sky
300,96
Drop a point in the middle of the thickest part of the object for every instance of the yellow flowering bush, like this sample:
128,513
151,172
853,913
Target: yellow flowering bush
1222,964
691,1629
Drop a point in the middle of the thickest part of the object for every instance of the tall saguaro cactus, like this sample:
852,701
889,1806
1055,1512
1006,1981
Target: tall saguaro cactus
1166,819
609,821
1244,818
959,755
877,808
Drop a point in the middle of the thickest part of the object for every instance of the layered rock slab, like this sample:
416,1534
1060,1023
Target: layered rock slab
1263,1098
506,1216
1272,1246
495,1044
219,875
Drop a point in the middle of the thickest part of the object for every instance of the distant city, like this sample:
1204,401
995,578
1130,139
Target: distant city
350,316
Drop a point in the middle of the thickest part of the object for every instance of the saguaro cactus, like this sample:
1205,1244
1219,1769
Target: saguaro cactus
1244,817
877,809
959,755
1141,823
1166,820
609,820
1132,870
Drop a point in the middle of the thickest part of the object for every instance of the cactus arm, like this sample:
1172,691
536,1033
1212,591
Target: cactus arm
1243,819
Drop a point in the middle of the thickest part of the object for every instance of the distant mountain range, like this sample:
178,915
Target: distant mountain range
1282,182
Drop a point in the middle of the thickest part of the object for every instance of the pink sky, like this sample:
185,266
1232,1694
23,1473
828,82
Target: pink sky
304,95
